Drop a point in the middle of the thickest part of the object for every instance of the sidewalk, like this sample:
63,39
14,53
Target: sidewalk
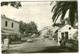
14,46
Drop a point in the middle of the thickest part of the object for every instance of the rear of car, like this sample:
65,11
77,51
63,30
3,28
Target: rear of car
29,40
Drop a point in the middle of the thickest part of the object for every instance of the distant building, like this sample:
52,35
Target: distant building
49,32
9,26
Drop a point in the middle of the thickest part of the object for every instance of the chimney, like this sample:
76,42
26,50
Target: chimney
66,21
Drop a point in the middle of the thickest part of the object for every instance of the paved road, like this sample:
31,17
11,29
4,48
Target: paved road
37,46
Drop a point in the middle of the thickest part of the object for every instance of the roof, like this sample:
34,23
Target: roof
3,16
9,32
64,26
59,28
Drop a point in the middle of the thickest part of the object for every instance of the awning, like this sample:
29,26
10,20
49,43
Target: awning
2,31
9,32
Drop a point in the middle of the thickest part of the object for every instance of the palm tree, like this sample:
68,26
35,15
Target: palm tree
61,8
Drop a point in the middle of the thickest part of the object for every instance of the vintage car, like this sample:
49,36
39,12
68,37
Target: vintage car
29,40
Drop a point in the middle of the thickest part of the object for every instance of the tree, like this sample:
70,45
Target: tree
28,28
13,4
61,8
22,27
31,28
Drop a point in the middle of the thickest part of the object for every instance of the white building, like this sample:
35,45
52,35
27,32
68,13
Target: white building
66,31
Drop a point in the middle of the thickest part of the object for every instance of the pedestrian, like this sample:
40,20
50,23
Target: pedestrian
43,38
62,42
6,43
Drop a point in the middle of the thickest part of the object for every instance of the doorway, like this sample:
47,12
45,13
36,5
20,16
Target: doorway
62,34
66,36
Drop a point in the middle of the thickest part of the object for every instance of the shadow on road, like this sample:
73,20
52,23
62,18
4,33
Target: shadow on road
56,49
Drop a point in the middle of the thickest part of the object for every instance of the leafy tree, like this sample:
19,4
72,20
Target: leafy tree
13,4
31,28
22,27
28,28
61,8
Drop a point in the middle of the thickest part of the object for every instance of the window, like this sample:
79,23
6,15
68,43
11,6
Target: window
12,25
62,35
6,23
66,35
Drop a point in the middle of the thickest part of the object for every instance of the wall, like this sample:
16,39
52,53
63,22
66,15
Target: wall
15,24
66,29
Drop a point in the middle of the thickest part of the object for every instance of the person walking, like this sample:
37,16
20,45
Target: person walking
62,42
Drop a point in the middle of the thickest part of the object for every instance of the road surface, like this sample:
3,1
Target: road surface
37,46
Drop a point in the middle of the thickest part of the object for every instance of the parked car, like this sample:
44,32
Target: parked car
29,40
23,39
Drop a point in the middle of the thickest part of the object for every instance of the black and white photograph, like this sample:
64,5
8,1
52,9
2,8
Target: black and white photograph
39,27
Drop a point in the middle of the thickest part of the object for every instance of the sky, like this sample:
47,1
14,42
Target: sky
39,12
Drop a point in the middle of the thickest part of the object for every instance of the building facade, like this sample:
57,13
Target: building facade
66,32
9,27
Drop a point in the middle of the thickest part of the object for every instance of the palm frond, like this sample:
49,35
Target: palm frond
61,7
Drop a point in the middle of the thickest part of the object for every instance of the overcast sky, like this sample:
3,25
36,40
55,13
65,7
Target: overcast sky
39,12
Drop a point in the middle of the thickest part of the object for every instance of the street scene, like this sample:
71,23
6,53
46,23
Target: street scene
39,27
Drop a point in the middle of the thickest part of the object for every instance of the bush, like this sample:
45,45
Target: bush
72,44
